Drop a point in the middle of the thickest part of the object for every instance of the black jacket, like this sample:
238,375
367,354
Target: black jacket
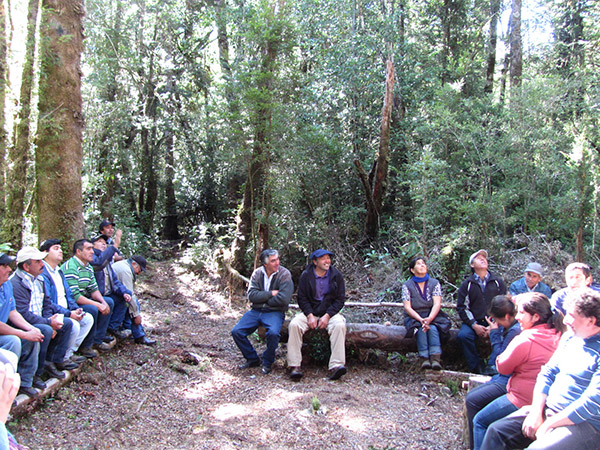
473,305
333,301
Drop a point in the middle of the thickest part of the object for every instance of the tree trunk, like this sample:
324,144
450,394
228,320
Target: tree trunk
18,155
59,144
516,49
493,39
170,229
375,184
3,86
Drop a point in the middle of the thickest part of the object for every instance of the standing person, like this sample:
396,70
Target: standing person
531,281
36,308
19,337
270,290
130,317
474,298
321,296
59,292
113,238
80,278
565,412
422,299
503,329
523,358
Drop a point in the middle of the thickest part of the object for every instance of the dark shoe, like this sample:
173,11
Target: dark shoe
145,341
78,359
52,371
28,391
104,347
296,373
435,362
248,364
108,339
66,365
88,352
337,372
38,383
266,370
118,334
426,364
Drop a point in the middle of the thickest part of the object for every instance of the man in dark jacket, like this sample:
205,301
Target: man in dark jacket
474,298
270,290
321,296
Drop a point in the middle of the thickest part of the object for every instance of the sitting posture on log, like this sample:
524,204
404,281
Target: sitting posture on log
523,358
531,281
270,290
565,411
422,298
473,303
578,275
503,328
321,296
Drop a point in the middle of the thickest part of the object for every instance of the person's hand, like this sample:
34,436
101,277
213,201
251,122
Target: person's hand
77,314
137,320
127,298
323,321
117,238
531,424
34,335
274,293
9,386
103,308
55,323
312,321
493,324
480,330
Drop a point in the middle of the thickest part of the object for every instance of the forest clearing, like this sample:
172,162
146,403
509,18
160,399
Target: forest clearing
136,397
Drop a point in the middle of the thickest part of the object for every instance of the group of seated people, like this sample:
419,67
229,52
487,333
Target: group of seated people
54,317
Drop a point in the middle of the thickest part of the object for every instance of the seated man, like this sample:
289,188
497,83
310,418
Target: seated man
126,271
109,285
35,306
565,411
531,282
59,292
321,296
473,303
18,336
80,278
270,290
577,275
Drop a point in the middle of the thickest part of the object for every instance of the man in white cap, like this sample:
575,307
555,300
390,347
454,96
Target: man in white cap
37,309
474,298
531,282
321,296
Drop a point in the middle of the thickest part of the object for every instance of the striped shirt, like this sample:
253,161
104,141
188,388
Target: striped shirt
80,278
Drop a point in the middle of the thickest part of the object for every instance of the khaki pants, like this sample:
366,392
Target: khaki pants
337,339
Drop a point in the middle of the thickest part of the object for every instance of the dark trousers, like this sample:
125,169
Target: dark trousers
271,320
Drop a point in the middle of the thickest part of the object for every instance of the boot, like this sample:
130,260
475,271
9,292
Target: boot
435,362
425,364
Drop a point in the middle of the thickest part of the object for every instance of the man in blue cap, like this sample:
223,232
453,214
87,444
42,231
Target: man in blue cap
321,296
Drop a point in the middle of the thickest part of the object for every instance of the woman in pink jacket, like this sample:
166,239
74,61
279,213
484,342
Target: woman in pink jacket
523,358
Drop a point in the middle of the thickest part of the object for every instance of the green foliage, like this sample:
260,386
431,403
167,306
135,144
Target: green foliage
315,404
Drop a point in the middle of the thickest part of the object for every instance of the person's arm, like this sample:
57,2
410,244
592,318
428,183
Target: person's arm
514,288
436,296
22,299
408,309
101,260
339,295
461,307
284,292
256,294
535,418
516,353
24,329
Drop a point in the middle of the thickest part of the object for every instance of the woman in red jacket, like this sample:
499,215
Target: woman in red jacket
523,358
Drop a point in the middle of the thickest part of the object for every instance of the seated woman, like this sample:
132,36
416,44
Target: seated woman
503,328
422,298
523,358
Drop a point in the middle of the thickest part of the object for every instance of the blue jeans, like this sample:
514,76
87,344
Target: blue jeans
506,434
27,351
428,342
101,321
53,349
467,337
479,398
496,410
121,318
271,320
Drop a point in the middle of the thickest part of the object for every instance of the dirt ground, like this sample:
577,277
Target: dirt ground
138,397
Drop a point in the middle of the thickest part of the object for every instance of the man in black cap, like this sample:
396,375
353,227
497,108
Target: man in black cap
130,315
321,296
270,290
113,238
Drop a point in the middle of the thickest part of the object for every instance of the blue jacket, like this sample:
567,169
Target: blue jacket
520,287
102,260
22,295
52,293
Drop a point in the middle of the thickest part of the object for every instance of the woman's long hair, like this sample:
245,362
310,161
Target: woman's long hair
538,303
